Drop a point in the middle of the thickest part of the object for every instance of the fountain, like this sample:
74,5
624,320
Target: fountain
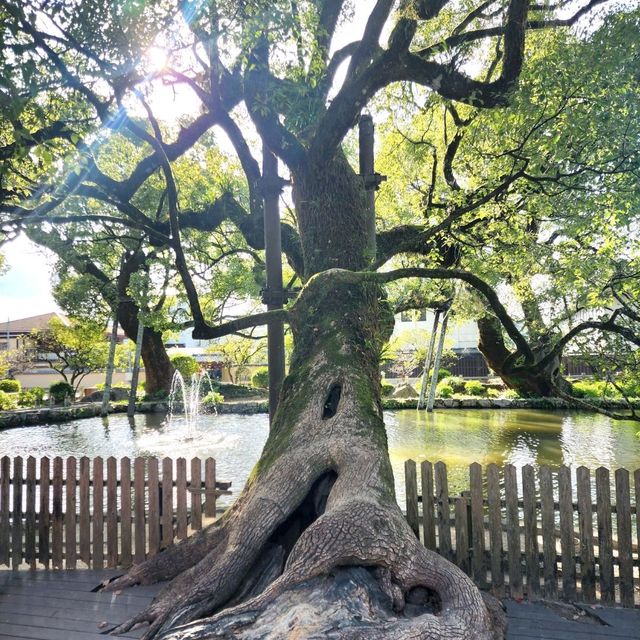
186,398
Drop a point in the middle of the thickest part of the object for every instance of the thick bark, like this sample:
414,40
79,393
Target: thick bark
532,379
321,497
158,369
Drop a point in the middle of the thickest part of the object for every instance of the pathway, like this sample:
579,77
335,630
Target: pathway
60,605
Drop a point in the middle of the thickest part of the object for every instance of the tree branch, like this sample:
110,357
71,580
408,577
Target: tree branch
208,332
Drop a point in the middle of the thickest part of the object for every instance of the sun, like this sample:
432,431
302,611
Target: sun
156,58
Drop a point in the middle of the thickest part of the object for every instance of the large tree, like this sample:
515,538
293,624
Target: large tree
321,496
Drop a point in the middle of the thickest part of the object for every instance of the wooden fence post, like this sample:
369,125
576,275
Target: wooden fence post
98,514
585,521
57,523
623,511
85,510
43,514
210,496
513,532
411,494
529,513
30,515
70,550
548,534
428,516
605,537
195,486
495,531
5,510
565,501
479,569
443,512
126,554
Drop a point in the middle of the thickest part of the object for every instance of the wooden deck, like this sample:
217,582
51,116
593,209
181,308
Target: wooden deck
60,605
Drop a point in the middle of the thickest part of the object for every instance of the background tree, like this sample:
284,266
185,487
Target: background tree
73,350
321,496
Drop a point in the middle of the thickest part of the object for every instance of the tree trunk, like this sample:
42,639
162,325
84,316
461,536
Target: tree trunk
528,379
321,498
158,369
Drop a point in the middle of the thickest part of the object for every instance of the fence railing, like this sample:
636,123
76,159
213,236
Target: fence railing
552,538
68,513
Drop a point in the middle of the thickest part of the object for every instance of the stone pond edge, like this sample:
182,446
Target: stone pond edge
51,415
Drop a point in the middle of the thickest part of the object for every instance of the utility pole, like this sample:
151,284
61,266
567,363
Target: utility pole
369,176
273,294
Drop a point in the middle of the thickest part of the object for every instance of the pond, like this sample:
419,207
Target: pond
457,437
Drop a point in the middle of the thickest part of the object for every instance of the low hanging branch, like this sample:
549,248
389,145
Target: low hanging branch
208,332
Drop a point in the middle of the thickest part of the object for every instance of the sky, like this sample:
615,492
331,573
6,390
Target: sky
25,288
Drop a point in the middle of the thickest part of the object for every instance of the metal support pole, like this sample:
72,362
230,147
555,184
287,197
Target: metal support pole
131,407
427,361
271,188
436,363
367,171
106,394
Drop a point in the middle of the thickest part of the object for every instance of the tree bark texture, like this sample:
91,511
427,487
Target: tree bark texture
528,379
317,520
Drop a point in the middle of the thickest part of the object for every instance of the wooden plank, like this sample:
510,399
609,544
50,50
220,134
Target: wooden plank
411,492
57,522
167,502
565,503
479,570
532,563
98,514
153,510
462,535
195,487
585,526
126,552
548,534
495,531
30,515
139,511
428,515
181,498
443,513
112,512
43,514
625,559
85,517
5,510
210,488
70,515
513,531
605,536
16,514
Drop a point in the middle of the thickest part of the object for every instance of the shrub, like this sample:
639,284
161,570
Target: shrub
442,373
7,401
474,388
186,365
444,390
60,390
31,397
260,379
594,389
510,394
10,386
493,393
156,396
212,399
456,383
387,389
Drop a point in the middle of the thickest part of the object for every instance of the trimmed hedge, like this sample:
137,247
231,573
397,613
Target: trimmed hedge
10,386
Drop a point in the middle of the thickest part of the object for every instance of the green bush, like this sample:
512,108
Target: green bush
474,388
156,396
60,390
493,393
444,390
387,389
31,397
456,383
510,394
594,389
212,399
442,374
260,379
186,365
7,401
10,386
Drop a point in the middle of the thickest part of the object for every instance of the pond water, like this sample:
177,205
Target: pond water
456,437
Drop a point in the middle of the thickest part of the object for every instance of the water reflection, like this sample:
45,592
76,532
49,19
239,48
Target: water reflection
456,437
